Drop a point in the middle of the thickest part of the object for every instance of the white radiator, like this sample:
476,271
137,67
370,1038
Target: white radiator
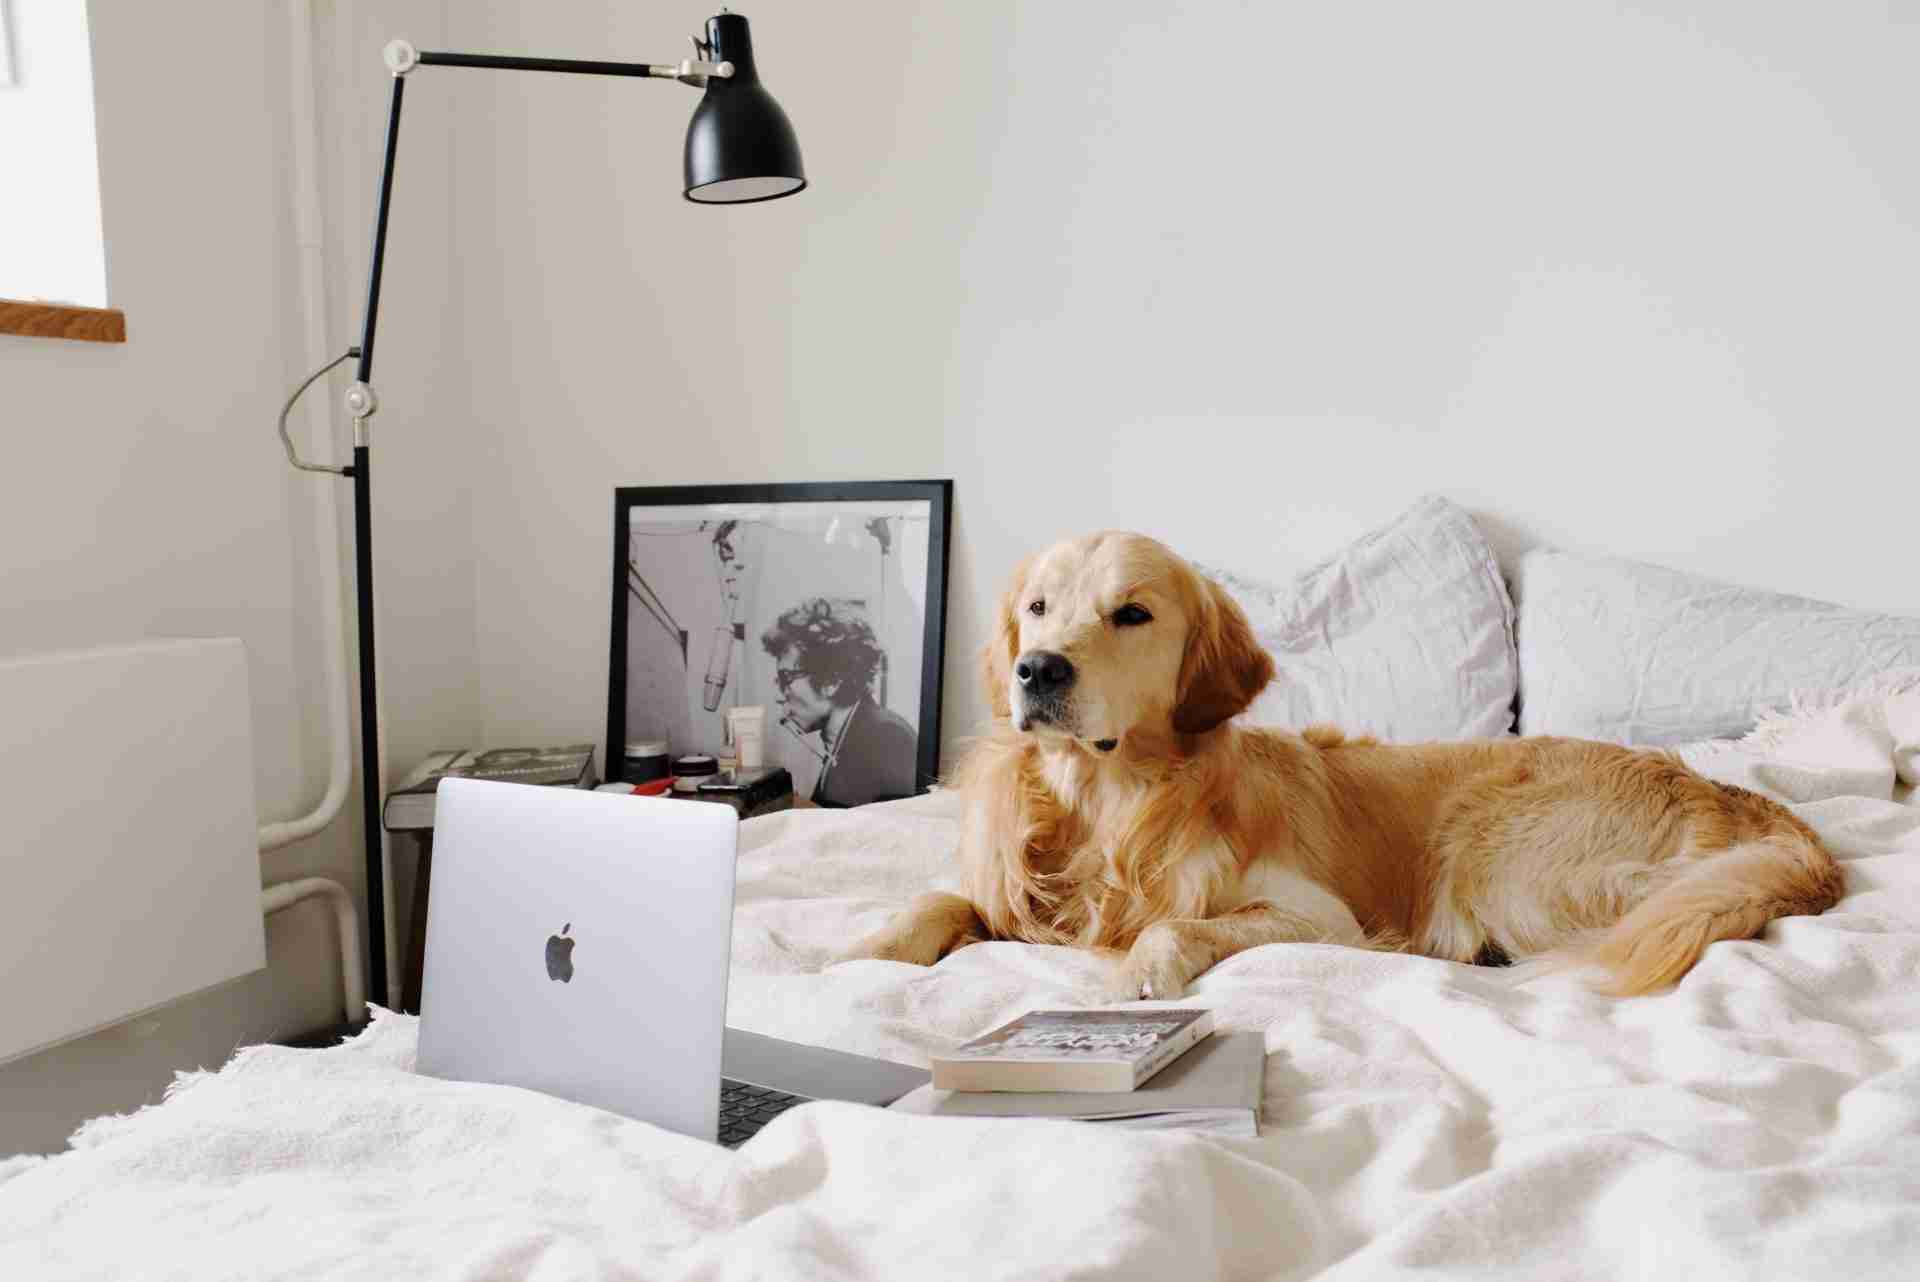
129,863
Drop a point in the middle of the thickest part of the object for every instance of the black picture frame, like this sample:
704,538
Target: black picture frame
785,598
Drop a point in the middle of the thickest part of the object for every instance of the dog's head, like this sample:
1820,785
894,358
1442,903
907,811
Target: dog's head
1112,634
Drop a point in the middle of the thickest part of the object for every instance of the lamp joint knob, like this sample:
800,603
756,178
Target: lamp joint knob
361,402
698,73
401,57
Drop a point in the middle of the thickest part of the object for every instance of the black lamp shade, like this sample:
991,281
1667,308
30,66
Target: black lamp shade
740,145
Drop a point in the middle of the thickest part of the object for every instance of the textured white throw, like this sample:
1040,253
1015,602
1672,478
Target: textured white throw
1422,1119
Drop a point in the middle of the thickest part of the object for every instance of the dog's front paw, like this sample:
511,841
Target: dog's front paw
931,927
895,944
1159,966
1122,985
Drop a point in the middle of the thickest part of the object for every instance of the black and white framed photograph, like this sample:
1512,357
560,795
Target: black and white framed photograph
824,604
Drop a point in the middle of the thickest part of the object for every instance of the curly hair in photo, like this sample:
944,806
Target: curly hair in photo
834,646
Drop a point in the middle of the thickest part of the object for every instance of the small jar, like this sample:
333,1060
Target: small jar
690,770
645,760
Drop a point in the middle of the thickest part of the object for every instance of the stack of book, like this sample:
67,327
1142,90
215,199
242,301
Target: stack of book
1148,1067
409,807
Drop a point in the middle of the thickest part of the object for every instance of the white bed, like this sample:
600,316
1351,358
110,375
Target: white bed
1421,1118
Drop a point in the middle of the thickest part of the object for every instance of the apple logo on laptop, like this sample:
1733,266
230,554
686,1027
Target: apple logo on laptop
560,956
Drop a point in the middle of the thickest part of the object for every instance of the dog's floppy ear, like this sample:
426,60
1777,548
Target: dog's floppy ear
1003,643
1224,666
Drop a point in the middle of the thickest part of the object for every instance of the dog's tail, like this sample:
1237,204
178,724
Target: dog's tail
1729,895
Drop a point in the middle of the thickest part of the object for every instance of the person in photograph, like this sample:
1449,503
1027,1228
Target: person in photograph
826,658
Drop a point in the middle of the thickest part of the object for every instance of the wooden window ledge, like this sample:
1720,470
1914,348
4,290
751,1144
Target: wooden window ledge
56,320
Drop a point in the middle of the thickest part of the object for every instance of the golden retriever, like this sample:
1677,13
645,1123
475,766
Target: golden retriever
1115,806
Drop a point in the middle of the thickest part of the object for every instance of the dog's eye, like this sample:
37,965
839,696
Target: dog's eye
1036,608
1128,616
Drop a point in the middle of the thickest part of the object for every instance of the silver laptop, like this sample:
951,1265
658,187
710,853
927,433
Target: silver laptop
577,944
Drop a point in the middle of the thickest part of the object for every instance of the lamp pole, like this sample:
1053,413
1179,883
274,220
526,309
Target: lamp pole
740,149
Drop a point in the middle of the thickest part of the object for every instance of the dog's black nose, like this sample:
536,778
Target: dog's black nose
1043,672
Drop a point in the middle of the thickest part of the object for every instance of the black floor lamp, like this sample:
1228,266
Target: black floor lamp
740,149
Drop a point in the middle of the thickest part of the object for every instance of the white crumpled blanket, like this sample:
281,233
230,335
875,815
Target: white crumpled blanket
1422,1118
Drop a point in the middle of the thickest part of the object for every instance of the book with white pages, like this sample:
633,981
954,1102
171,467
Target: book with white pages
410,806
1082,1049
1215,1087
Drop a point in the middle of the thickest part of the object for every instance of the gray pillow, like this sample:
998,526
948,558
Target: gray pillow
1406,634
1634,653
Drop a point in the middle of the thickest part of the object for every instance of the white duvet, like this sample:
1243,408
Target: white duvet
1421,1118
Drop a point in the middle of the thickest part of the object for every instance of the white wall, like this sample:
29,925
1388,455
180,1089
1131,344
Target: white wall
146,493
1248,276
50,246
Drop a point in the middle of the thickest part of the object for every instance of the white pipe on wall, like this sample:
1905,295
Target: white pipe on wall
353,984
307,232
303,120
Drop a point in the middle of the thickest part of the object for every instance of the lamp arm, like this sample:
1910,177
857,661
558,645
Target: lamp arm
361,402
688,71
402,58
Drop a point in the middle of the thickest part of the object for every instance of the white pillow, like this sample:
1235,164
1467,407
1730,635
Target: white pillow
1407,634
1638,654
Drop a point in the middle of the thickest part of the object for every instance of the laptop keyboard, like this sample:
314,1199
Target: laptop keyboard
745,1109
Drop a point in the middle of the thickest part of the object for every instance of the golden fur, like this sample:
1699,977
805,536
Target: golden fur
1131,816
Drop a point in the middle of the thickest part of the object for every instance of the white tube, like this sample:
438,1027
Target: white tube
303,120
307,229
353,984
749,726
